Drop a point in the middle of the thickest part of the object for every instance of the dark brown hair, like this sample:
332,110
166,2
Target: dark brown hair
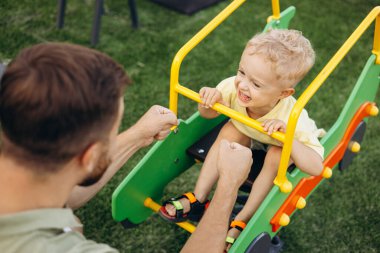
55,100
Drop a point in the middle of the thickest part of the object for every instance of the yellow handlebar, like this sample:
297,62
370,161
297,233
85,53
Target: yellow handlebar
230,113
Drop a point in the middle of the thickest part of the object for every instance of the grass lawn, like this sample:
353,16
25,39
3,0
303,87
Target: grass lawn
343,215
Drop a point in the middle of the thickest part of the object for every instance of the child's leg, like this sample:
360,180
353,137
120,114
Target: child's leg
209,174
260,188
262,185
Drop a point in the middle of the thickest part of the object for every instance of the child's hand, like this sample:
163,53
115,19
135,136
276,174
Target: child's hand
210,96
273,125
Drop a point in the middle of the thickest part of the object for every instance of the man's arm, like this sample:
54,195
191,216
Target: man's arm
210,234
155,124
234,162
126,146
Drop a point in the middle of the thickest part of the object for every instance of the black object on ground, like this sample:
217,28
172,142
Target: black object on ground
187,6
99,11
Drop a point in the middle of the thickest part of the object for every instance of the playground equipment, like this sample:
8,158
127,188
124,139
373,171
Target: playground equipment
135,198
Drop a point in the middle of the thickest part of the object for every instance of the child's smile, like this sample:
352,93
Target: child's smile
244,97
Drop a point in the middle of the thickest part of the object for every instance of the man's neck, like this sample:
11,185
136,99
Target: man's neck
22,190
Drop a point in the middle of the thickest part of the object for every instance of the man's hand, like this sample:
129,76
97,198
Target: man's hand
274,125
234,162
210,96
155,124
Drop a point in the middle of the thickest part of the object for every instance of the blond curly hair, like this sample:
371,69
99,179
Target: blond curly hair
290,53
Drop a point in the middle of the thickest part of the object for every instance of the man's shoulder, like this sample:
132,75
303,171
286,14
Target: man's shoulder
36,231
51,241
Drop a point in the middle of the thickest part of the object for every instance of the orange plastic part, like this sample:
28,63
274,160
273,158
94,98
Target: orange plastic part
306,185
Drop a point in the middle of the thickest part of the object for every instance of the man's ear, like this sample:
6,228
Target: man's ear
287,92
89,156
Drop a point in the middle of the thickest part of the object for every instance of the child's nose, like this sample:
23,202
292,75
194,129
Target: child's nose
243,84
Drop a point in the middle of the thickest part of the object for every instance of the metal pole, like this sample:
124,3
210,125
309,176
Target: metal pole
61,13
133,10
96,23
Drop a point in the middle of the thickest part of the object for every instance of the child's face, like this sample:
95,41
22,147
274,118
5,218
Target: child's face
256,85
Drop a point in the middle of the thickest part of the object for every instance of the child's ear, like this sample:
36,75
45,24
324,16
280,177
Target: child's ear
287,92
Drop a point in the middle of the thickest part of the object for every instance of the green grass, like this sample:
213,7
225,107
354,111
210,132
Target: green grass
343,215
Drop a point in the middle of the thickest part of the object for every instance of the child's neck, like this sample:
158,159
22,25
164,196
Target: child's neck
256,113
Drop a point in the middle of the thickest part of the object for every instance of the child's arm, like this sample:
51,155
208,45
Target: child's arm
209,97
303,156
306,159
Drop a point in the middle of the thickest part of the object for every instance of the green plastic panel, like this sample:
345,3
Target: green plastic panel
164,162
285,18
364,90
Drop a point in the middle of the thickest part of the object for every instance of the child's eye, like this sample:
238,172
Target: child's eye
241,72
256,85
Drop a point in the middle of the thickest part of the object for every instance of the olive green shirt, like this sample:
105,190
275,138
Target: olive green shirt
45,230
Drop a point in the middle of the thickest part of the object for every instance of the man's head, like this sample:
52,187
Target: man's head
56,101
271,65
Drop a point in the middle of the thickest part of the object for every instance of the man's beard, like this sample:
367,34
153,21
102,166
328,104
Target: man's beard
100,168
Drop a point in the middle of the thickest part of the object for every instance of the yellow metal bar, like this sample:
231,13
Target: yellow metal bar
174,74
230,113
156,207
276,9
376,40
281,179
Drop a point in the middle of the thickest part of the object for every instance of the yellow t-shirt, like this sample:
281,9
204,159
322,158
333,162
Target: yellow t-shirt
306,130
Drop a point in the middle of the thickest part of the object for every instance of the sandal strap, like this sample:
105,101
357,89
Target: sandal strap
190,196
177,204
238,224
230,240
196,208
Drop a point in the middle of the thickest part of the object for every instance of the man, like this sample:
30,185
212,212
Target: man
60,110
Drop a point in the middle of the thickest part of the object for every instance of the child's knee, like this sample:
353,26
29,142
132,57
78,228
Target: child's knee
273,157
231,133
275,152
227,130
